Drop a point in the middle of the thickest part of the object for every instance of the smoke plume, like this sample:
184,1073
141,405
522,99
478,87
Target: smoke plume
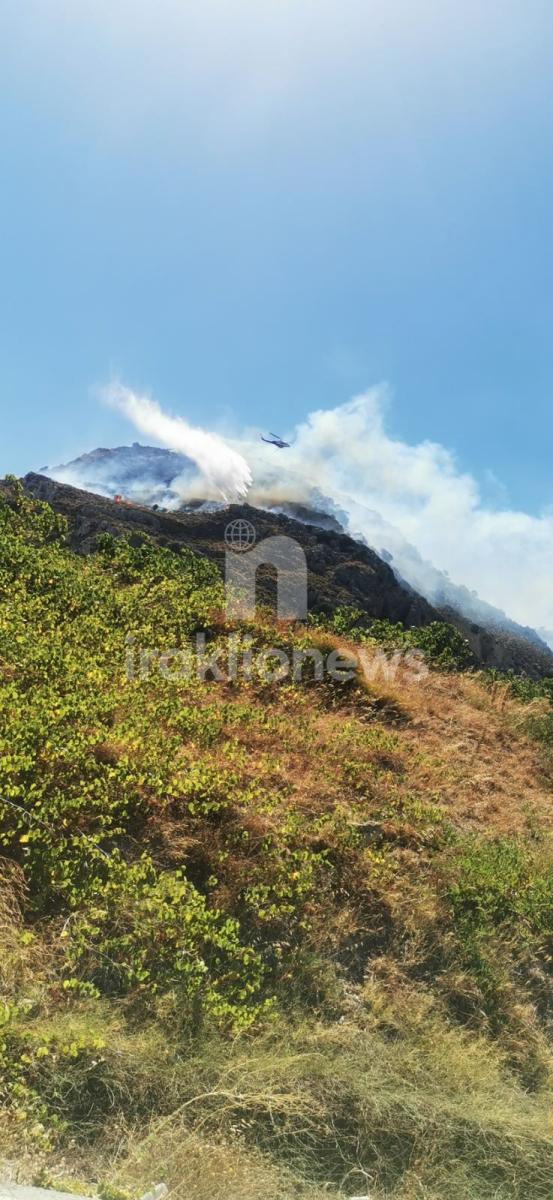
222,468
410,502
414,502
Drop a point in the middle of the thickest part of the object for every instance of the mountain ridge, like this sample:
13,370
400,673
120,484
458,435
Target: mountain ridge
155,475
341,570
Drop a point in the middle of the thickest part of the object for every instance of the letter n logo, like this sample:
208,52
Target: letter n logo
242,560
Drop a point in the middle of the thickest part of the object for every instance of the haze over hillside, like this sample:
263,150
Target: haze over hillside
341,570
157,476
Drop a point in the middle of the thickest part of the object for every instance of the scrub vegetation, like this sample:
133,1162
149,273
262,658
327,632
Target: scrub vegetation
262,939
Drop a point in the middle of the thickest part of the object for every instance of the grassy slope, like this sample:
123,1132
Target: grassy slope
261,940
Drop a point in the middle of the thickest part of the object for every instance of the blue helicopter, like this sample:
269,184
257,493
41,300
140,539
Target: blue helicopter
274,440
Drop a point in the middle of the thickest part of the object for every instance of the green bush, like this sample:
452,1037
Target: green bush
498,882
521,687
442,645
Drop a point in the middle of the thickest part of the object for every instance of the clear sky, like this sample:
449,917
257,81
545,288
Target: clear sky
256,208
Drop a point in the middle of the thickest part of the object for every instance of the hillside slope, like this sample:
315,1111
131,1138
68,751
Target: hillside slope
260,938
148,474
341,570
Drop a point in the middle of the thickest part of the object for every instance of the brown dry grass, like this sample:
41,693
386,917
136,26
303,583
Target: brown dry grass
467,746
458,745
359,757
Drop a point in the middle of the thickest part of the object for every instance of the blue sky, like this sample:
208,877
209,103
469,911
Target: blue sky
255,209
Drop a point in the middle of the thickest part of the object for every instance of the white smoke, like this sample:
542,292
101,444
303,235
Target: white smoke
411,501
222,468
400,497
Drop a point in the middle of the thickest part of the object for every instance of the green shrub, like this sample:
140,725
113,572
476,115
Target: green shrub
154,931
521,687
443,646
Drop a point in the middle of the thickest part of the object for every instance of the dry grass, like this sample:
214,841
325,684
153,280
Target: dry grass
389,1102
458,744
468,747
389,1098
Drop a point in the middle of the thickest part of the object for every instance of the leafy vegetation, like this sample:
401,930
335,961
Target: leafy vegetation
251,941
538,720
442,645
521,687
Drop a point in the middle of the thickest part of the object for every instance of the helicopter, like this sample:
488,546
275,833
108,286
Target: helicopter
274,440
